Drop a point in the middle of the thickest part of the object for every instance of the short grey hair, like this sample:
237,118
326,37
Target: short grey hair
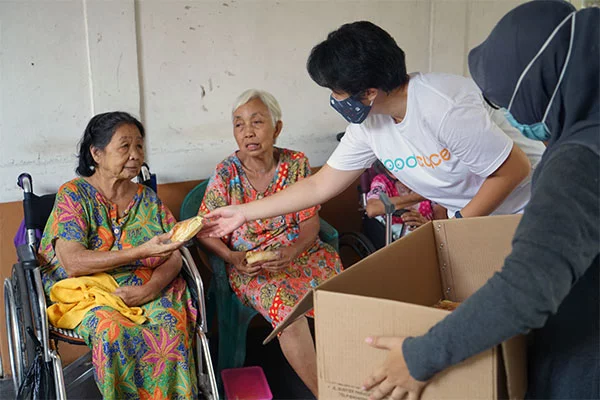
267,99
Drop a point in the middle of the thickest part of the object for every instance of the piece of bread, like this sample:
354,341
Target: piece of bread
187,229
252,257
446,305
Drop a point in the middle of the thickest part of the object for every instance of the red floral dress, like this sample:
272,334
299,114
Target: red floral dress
272,294
382,183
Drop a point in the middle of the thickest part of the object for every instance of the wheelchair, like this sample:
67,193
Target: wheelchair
31,337
374,234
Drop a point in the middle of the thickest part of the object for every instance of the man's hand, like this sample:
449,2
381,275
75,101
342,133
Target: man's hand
222,221
392,378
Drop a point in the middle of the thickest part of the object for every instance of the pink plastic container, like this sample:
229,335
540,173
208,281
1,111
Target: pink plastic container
248,383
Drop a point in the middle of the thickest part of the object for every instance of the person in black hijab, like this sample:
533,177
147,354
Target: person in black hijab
539,64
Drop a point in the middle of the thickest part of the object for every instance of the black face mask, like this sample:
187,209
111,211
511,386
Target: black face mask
351,108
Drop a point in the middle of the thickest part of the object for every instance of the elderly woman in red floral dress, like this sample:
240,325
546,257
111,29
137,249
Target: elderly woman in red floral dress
256,170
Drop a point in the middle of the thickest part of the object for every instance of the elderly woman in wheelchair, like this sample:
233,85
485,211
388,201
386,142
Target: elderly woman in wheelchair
256,170
103,224
412,209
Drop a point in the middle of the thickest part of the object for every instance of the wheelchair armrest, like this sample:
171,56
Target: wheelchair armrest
27,256
193,278
200,250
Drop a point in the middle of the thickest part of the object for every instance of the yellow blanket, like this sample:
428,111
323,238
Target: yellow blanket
73,297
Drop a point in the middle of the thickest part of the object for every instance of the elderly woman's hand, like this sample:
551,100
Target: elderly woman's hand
160,246
286,256
392,378
135,296
238,260
414,219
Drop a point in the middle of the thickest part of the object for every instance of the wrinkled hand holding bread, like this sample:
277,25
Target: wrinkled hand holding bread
253,257
187,229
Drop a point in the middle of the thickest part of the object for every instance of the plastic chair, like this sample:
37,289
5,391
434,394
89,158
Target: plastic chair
233,316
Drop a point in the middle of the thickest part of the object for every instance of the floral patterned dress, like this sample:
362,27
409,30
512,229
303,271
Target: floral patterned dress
153,360
272,294
382,183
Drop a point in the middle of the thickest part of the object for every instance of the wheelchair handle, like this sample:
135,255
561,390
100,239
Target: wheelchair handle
389,211
25,182
145,172
364,183
387,203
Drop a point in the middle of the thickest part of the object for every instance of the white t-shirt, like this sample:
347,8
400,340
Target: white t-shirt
449,142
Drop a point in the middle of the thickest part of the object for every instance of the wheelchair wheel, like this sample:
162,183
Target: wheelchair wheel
354,246
18,318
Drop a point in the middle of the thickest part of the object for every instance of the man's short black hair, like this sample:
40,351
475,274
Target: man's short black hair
358,56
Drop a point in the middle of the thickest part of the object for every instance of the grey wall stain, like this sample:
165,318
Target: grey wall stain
176,130
118,68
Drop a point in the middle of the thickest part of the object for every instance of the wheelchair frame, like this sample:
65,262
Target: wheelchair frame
25,307
360,242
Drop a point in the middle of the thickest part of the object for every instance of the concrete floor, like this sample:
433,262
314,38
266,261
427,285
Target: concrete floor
283,381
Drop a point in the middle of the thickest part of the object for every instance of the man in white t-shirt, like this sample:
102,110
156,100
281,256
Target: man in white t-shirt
433,131
444,148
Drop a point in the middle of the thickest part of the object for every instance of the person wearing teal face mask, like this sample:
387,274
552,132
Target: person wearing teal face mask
541,64
539,130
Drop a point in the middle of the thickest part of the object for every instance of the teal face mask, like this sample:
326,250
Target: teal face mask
539,130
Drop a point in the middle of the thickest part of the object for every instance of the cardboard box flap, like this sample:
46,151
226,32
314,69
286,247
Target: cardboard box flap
301,308
386,275
470,250
514,356
415,277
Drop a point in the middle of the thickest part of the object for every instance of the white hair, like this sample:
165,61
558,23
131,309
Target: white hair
267,99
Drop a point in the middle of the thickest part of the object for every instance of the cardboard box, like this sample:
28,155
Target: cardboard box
390,293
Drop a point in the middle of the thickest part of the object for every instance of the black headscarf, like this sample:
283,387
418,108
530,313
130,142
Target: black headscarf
498,62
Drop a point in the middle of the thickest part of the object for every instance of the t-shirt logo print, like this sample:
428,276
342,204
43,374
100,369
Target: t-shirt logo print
431,161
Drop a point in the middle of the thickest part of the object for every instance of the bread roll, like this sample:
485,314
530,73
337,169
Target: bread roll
446,305
187,229
253,257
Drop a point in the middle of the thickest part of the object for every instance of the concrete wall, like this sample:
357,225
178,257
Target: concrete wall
179,65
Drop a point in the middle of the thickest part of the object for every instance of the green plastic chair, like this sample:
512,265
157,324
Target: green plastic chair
233,316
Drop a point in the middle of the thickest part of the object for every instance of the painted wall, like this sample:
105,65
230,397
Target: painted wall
179,65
